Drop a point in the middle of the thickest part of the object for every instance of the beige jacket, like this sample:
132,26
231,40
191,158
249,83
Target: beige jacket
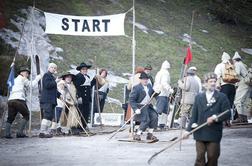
190,88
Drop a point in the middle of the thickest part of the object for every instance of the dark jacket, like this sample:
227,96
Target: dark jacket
151,80
138,94
83,91
49,92
201,111
136,97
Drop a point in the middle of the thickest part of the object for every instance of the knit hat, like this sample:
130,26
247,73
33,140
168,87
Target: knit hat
236,56
166,65
225,57
210,75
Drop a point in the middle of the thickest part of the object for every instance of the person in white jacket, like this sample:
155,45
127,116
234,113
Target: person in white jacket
162,84
17,102
225,87
242,92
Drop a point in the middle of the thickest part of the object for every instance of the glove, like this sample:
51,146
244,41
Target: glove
79,100
138,111
215,118
186,135
194,125
180,82
171,91
157,89
61,97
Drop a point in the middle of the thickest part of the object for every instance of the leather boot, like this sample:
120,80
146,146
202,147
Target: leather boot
8,131
20,133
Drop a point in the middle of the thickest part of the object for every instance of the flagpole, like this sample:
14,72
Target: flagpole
185,68
133,59
32,51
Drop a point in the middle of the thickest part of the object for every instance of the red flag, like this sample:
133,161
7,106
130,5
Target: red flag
188,57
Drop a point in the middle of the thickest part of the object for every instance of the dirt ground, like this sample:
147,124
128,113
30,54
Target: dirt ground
236,150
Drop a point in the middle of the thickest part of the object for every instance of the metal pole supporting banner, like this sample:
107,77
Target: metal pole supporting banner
32,52
133,57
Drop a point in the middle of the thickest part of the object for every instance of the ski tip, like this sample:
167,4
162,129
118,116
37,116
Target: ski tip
173,139
150,161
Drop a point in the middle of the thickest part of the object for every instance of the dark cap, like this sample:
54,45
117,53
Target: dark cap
143,75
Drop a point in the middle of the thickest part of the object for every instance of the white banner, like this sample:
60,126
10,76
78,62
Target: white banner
109,25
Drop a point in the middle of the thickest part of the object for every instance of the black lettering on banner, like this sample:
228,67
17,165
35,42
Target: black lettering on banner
106,24
85,26
96,24
75,24
65,25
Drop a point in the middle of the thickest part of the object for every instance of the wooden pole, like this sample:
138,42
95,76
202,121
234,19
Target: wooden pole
181,138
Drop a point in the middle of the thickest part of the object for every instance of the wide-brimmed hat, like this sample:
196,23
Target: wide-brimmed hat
148,67
63,76
83,65
24,69
143,75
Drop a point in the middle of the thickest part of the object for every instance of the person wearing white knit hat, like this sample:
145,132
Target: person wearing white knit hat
162,82
242,92
227,88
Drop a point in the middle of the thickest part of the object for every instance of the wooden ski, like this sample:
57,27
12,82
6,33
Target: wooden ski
142,141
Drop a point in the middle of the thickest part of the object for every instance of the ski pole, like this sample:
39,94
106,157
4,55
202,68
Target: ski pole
152,96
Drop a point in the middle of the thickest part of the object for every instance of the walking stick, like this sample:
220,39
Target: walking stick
77,119
97,95
117,131
181,138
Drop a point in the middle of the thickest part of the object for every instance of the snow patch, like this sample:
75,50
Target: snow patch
204,31
142,27
247,50
187,38
159,32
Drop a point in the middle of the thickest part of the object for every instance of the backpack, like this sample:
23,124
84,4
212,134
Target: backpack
248,77
229,74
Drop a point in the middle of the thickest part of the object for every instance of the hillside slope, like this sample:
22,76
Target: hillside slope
162,25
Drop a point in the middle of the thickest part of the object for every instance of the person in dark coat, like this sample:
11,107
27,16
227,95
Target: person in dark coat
48,100
83,84
206,107
139,96
147,70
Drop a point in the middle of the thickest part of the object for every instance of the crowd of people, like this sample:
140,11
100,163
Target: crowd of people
66,101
